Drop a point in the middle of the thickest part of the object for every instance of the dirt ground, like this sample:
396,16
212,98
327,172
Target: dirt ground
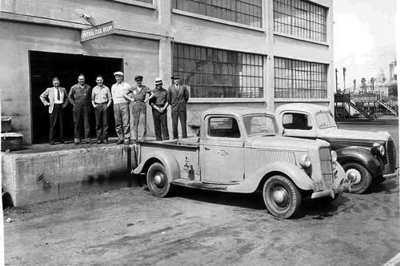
131,227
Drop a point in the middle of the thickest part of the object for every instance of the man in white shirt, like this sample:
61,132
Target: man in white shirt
121,101
101,100
56,98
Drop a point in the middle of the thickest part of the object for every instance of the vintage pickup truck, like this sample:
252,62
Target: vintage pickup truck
365,156
239,150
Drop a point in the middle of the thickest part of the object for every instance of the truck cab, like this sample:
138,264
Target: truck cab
365,156
241,150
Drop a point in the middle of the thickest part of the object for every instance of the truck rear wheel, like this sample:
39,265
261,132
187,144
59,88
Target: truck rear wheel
157,180
281,197
362,178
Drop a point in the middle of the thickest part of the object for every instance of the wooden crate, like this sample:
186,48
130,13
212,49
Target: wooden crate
11,141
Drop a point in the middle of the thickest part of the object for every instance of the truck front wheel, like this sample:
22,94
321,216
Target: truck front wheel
281,197
157,180
362,179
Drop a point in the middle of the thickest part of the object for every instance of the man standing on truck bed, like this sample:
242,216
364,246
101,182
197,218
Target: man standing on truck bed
159,103
119,93
79,96
178,96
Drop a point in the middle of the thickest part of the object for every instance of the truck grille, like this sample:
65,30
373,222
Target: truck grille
326,166
391,154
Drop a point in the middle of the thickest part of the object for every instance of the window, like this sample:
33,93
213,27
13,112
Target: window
299,79
260,124
214,73
223,127
296,121
248,12
301,19
325,120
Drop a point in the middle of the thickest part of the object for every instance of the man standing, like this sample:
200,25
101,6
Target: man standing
159,103
119,93
138,108
58,100
101,100
178,97
79,97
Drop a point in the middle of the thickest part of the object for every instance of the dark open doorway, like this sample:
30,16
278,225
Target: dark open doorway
45,66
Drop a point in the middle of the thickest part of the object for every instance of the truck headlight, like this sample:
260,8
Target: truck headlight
378,149
305,161
334,156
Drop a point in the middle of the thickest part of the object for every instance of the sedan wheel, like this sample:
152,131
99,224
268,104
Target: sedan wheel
360,178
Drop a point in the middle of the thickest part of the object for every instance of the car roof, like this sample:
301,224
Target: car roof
312,108
236,111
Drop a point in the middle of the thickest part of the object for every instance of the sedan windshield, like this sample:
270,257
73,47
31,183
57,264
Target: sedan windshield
325,120
260,124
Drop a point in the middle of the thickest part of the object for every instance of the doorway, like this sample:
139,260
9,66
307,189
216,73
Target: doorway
45,66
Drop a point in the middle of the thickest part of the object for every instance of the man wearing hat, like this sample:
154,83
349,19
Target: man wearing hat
57,101
120,98
159,103
80,97
178,96
138,108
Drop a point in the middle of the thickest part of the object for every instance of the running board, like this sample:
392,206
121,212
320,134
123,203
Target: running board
199,185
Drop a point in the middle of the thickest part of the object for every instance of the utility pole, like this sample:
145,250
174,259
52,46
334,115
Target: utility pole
336,79
354,84
344,79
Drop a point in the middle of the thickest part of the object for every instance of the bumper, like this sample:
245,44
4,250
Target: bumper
392,175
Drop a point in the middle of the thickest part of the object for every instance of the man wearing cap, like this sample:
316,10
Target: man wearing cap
57,101
80,97
120,98
178,96
138,108
159,103
101,100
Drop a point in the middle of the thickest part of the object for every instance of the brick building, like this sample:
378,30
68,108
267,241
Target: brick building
238,52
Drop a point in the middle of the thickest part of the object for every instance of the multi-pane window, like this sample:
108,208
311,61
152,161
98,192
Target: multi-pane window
299,79
301,19
215,73
248,12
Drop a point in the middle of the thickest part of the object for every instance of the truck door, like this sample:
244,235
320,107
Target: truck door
222,151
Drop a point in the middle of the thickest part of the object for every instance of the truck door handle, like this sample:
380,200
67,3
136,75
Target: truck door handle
207,148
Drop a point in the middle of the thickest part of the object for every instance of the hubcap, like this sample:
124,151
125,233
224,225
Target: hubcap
354,176
159,180
280,196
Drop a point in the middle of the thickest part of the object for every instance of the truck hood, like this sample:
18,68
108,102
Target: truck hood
353,135
281,142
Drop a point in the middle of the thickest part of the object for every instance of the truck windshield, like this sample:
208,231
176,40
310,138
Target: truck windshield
259,124
325,120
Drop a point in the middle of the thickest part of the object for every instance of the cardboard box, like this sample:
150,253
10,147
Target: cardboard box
5,124
11,141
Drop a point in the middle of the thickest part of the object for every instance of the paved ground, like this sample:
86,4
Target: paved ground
131,227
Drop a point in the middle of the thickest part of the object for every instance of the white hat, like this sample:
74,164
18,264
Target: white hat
158,81
118,73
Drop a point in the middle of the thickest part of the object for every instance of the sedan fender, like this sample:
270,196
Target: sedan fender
362,156
166,158
296,174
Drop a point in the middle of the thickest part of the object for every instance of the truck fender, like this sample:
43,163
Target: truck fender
362,156
296,174
166,158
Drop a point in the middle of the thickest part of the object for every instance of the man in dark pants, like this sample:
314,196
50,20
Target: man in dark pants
58,100
178,97
159,103
101,100
138,108
79,97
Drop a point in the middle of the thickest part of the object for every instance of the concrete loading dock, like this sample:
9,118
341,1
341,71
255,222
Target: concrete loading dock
45,173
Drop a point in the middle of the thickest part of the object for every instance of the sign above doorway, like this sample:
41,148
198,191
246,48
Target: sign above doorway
97,31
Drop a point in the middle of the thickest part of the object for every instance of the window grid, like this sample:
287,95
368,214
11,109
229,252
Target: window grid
299,79
300,19
248,12
215,73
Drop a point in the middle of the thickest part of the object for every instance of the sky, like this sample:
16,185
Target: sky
364,38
